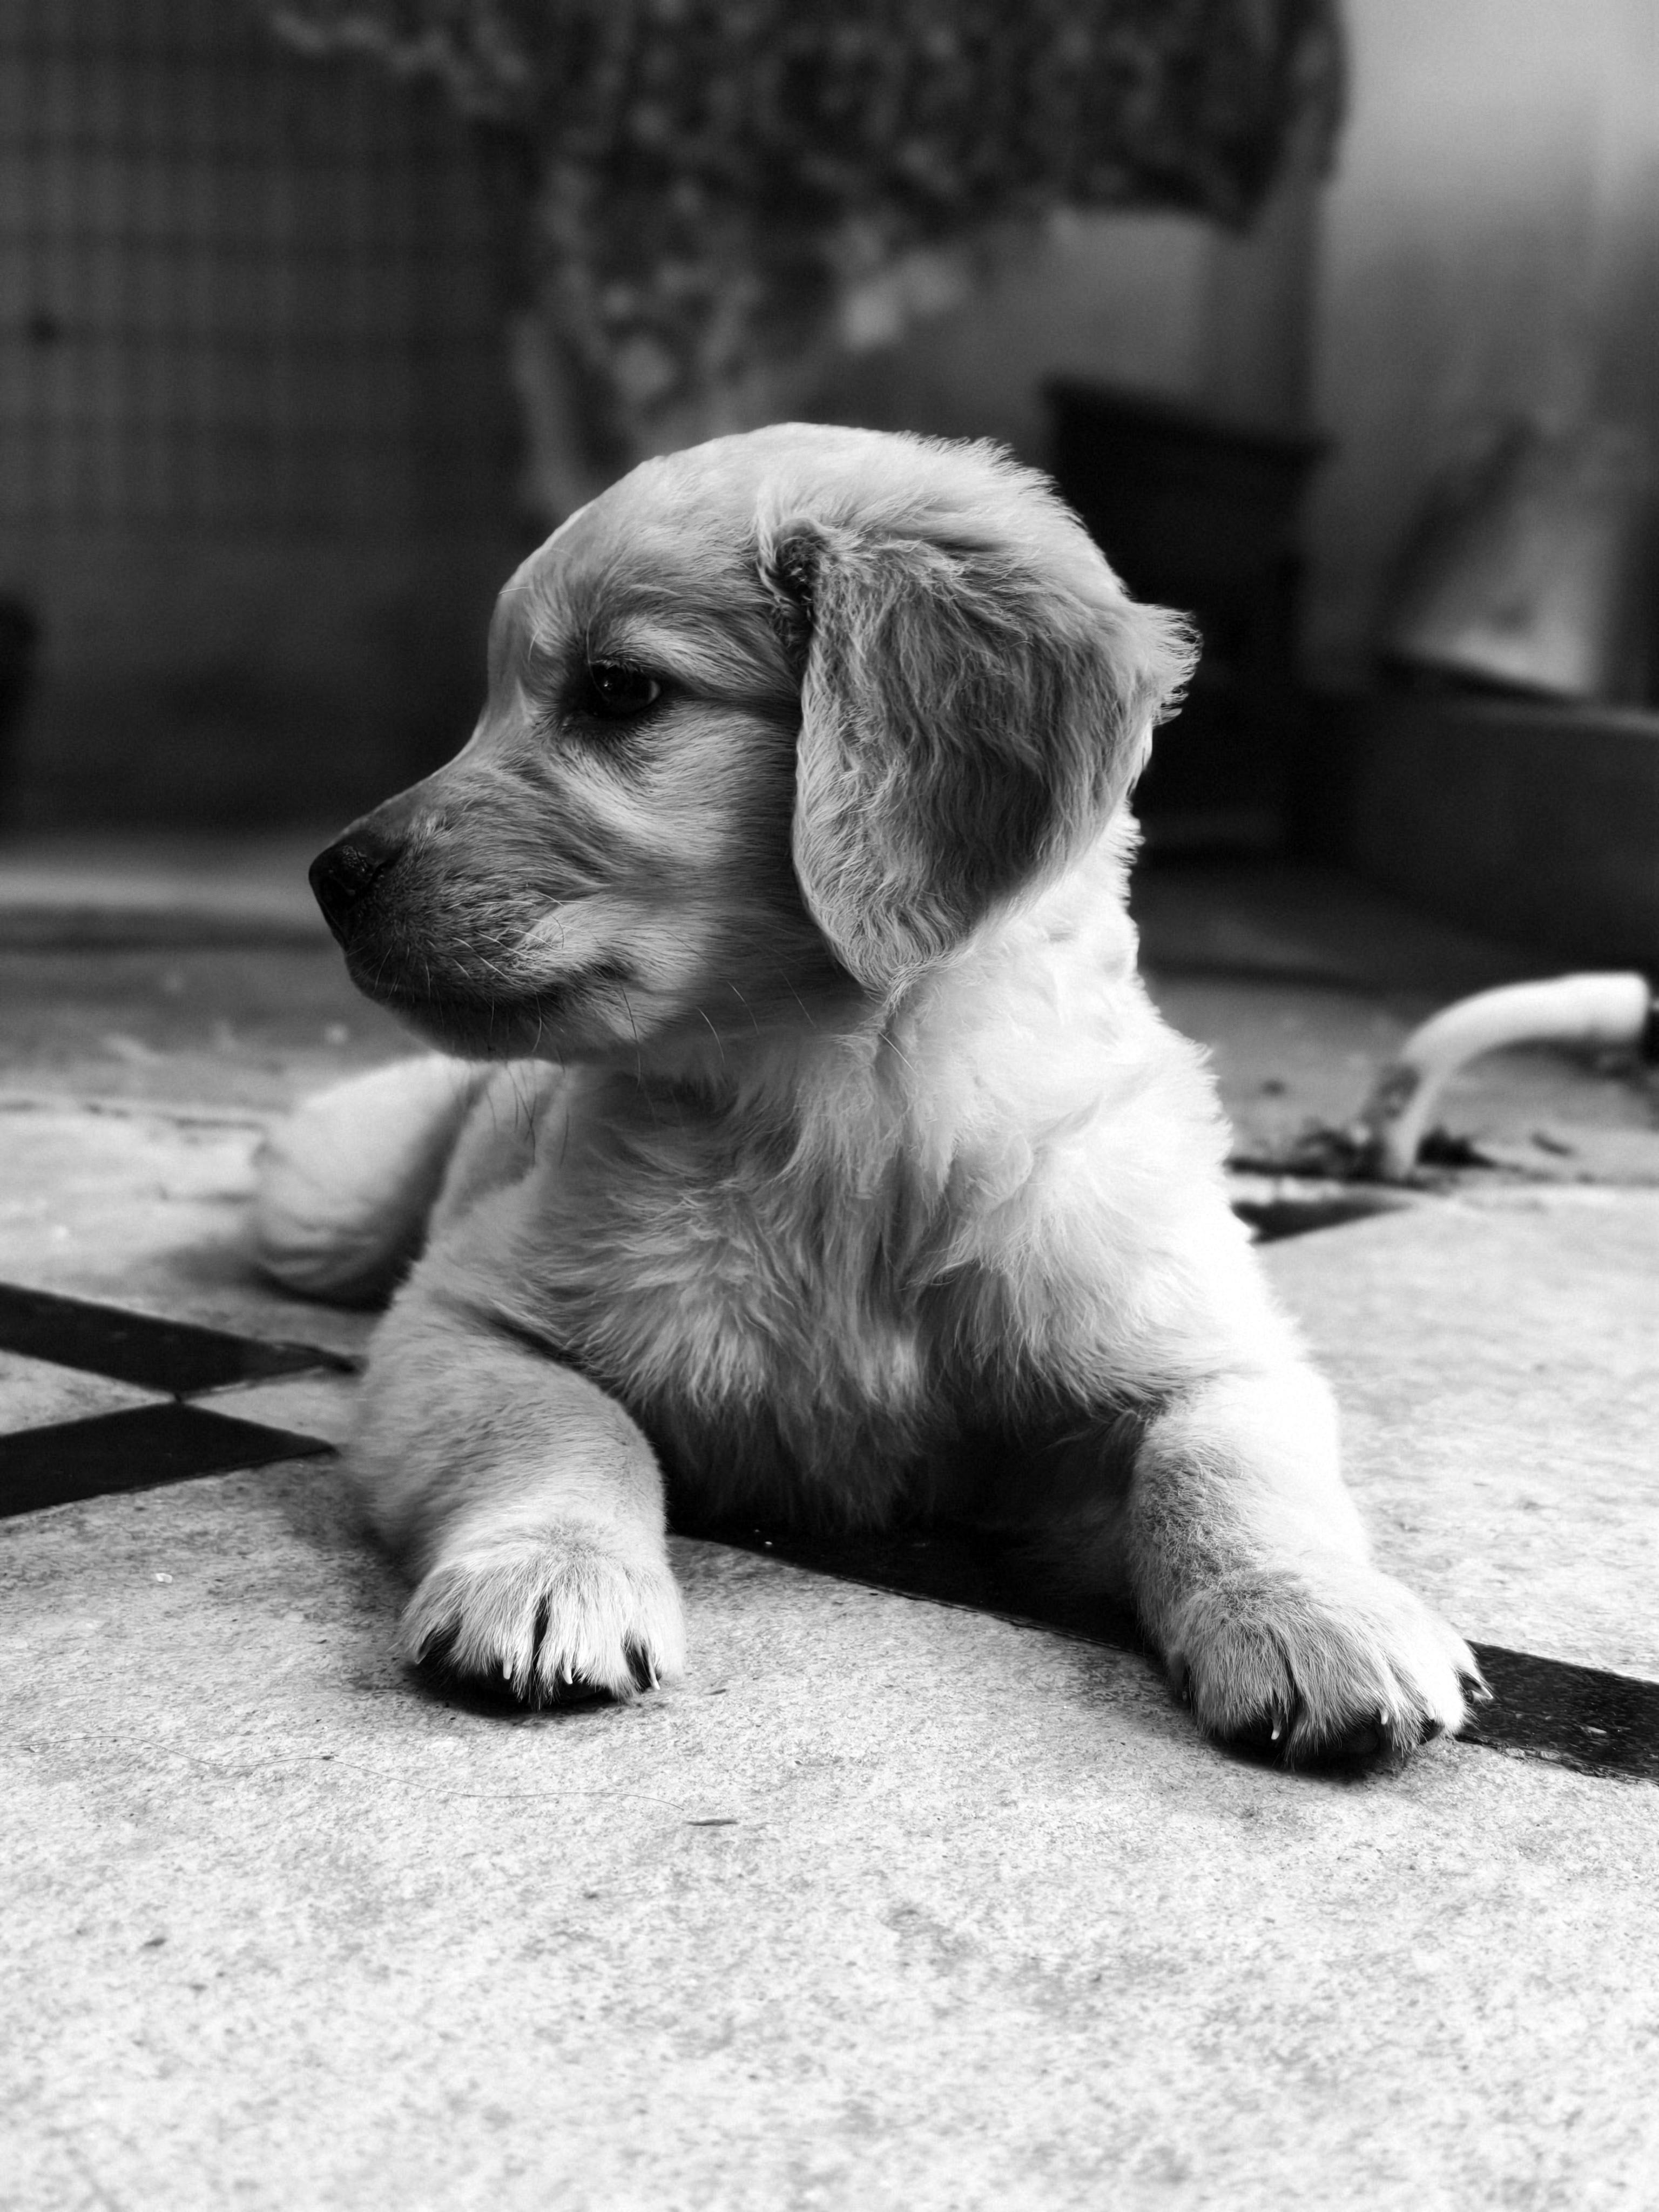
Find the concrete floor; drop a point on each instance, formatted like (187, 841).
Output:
(893, 1903)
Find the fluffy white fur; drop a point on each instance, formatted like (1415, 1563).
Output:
(805, 1131)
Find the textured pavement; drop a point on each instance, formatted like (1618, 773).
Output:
(894, 1903)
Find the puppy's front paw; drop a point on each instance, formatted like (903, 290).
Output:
(1329, 1660)
(551, 1616)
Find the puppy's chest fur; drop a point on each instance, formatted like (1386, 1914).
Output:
(785, 1332)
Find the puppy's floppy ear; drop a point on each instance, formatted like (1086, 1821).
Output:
(974, 705)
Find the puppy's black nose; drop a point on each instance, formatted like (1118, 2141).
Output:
(341, 876)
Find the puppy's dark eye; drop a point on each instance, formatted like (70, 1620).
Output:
(616, 692)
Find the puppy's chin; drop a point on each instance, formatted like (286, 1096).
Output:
(474, 1024)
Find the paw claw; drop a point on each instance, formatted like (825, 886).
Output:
(1327, 1663)
(552, 1619)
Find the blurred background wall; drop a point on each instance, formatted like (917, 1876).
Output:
(1489, 246)
(260, 454)
(1171, 305)
(256, 445)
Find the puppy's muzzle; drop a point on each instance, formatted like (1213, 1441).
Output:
(343, 877)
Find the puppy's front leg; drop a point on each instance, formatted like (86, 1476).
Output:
(526, 1503)
(1250, 1568)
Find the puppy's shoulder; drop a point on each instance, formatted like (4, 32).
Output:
(1044, 1040)
(1079, 1146)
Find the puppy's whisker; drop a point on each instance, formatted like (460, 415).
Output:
(639, 1055)
(891, 1044)
(526, 1116)
(744, 1003)
(720, 1042)
(807, 1014)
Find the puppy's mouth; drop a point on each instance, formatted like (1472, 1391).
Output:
(478, 1023)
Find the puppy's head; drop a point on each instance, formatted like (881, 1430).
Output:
(772, 726)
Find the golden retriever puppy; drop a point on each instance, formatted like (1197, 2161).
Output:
(801, 1134)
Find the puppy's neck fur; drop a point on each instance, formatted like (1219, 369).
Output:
(960, 1071)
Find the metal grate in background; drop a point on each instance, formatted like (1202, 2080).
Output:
(242, 294)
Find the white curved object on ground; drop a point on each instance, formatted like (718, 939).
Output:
(1583, 1010)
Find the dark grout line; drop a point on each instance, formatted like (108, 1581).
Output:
(181, 1357)
(952, 1566)
(141, 1448)
(1290, 1215)
(1584, 1717)
(1578, 1716)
